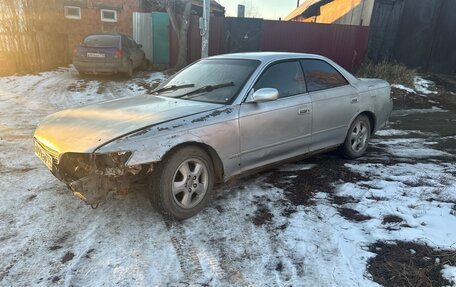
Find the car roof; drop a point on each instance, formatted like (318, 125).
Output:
(267, 56)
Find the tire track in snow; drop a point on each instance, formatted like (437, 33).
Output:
(186, 253)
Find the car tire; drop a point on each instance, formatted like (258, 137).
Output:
(357, 138)
(181, 184)
(129, 72)
(145, 64)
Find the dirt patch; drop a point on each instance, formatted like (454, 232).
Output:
(341, 200)
(88, 253)
(262, 216)
(67, 257)
(31, 197)
(300, 186)
(409, 264)
(55, 247)
(446, 87)
(148, 87)
(353, 215)
(78, 86)
(405, 100)
(391, 219)
(55, 279)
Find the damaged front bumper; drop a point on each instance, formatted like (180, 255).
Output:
(91, 177)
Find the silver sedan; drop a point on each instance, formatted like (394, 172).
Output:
(218, 118)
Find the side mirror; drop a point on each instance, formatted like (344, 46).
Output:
(139, 45)
(265, 95)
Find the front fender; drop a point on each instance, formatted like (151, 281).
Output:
(217, 129)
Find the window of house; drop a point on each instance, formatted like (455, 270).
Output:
(286, 77)
(72, 12)
(108, 15)
(321, 75)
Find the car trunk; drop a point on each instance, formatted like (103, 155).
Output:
(99, 48)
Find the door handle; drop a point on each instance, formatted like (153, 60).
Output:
(302, 111)
(354, 100)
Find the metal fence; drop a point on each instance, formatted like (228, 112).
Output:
(346, 45)
(32, 52)
(417, 33)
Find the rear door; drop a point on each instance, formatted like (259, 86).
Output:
(276, 130)
(334, 100)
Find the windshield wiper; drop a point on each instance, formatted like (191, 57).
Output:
(206, 89)
(173, 88)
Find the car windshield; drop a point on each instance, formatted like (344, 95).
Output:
(214, 80)
(102, 41)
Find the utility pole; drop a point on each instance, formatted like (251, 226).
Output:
(204, 28)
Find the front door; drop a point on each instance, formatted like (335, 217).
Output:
(276, 130)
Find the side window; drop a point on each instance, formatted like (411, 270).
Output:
(321, 75)
(132, 42)
(286, 77)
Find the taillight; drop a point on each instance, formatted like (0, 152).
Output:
(118, 53)
(75, 51)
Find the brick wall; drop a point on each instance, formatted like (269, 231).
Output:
(90, 21)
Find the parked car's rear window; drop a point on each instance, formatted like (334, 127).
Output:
(102, 41)
(321, 75)
(214, 72)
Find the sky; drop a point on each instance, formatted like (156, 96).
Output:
(267, 9)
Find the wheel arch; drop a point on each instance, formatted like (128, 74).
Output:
(370, 115)
(216, 161)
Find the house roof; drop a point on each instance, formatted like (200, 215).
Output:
(214, 5)
(307, 9)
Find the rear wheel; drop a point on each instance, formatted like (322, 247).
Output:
(181, 184)
(129, 72)
(357, 139)
(145, 64)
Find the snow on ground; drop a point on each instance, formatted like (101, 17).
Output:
(421, 86)
(402, 87)
(449, 272)
(247, 237)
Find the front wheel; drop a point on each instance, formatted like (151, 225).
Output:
(357, 139)
(181, 184)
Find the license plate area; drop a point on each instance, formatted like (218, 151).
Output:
(96, 55)
(45, 157)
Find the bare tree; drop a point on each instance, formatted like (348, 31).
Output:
(179, 12)
(23, 23)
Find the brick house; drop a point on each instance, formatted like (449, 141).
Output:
(83, 17)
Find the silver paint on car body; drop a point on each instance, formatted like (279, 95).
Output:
(244, 135)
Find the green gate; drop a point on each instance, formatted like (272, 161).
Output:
(160, 38)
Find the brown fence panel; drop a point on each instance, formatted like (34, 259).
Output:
(32, 52)
(344, 44)
(216, 40)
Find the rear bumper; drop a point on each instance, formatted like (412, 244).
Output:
(112, 67)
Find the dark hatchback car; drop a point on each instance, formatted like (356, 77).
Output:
(108, 54)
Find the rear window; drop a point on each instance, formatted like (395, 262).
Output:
(102, 41)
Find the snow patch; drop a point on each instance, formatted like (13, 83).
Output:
(449, 273)
(402, 87)
(423, 85)
(391, 132)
